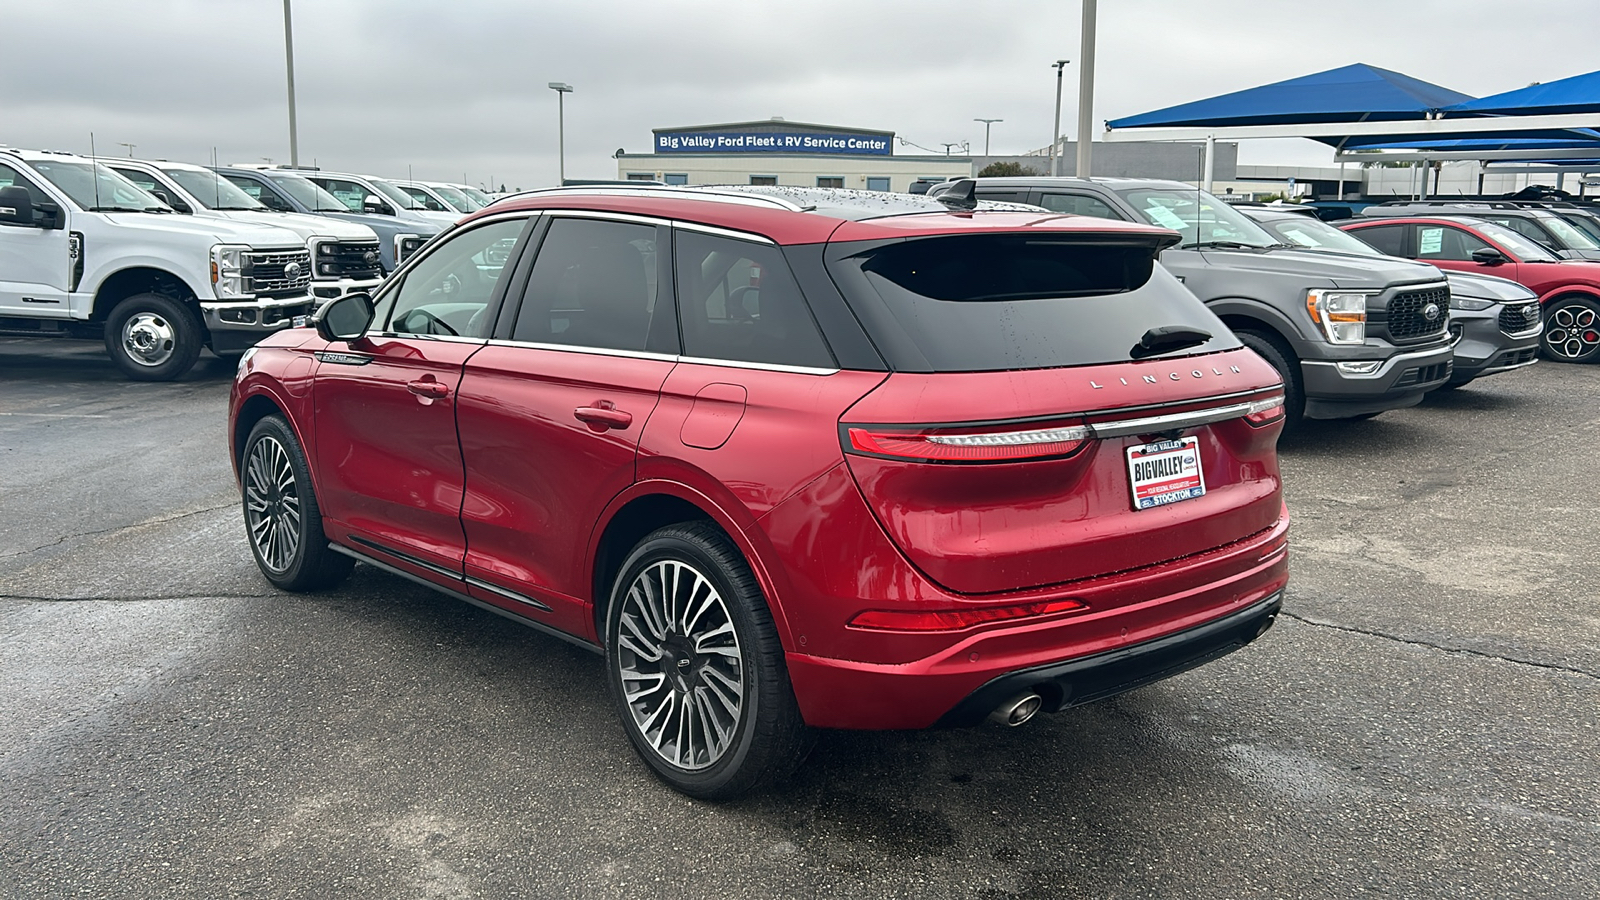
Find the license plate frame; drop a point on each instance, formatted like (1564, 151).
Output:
(1165, 472)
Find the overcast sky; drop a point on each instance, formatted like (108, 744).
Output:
(456, 88)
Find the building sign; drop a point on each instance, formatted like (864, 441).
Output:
(772, 142)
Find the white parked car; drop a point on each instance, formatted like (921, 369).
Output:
(86, 253)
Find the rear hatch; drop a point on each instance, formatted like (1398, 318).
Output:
(1060, 408)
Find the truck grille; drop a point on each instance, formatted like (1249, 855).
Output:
(277, 273)
(348, 259)
(1517, 319)
(1406, 319)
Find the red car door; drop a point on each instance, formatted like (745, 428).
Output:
(551, 412)
(389, 464)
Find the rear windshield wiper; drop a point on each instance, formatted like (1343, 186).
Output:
(1166, 338)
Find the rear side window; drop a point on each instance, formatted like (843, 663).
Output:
(1078, 205)
(738, 301)
(975, 303)
(1449, 244)
(1389, 239)
(593, 285)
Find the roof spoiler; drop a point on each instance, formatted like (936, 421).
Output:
(961, 194)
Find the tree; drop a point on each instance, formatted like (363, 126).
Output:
(1003, 169)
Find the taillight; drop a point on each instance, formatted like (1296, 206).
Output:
(1264, 412)
(957, 619)
(951, 445)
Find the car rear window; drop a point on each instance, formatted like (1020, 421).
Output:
(976, 303)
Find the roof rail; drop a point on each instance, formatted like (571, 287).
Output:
(670, 191)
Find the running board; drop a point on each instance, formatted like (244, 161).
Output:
(467, 598)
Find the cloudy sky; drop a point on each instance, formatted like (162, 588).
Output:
(448, 89)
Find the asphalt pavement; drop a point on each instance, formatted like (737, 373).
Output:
(1424, 720)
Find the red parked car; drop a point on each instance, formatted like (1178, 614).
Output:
(1568, 289)
(789, 458)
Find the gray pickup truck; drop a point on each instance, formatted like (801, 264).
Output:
(1352, 337)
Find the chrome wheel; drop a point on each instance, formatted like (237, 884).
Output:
(680, 664)
(1573, 332)
(272, 504)
(149, 338)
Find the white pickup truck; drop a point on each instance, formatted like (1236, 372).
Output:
(86, 253)
(345, 256)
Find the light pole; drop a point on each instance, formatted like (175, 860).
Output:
(129, 146)
(288, 53)
(1055, 135)
(1086, 91)
(986, 124)
(562, 90)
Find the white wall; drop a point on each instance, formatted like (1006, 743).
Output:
(798, 171)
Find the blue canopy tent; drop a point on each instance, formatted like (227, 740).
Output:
(1354, 93)
(1577, 94)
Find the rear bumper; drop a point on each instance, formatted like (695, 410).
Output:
(1142, 626)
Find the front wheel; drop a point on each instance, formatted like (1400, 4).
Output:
(1571, 330)
(152, 337)
(281, 516)
(696, 668)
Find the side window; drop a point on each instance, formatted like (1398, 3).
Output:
(425, 198)
(1527, 228)
(1444, 243)
(10, 177)
(1389, 239)
(1078, 205)
(1003, 196)
(593, 285)
(448, 291)
(875, 183)
(262, 194)
(737, 300)
(351, 194)
(147, 182)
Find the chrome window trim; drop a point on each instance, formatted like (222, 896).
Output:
(670, 192)
(606, 215)
(724, 232)
(663, 357)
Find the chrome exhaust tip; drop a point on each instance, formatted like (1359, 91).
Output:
(1017, 710)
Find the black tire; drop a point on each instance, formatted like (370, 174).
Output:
(152, 337)
(283, 523)
(761, 742)
(1571, 330)
(1272, 349)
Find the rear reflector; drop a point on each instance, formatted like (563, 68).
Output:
(957, 619)
(949, 446)
(1265, 412)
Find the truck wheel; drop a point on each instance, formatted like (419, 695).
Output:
(153, 338)
(1275, 351)
(696, 669)
(1571, 330)
(281, 515)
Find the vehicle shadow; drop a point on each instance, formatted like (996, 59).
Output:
(86, 361)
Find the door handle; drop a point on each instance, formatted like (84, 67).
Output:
(602, 416)
(435, 390)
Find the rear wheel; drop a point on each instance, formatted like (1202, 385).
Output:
(1571, 330)
(281, 515)
(152, 337)
(696, 669)
(1272, 349)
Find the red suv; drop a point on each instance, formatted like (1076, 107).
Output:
(788, 458)
(1568, 289)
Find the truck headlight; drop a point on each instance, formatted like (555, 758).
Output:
(1342, 315)
(227, 271)
(1472, 304)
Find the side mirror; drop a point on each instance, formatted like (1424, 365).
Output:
(16, 206)
(1488, 256)
(344, 319)
(374, 205)
(50, 216)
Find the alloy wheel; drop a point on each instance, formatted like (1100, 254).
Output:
(272, 504)
(149, 338)
(1573, 332)
(680, 664)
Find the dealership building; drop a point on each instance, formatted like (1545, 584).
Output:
(775, 151)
